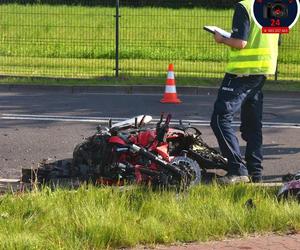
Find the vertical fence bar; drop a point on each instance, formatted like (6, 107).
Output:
(279, 44)
(117, 16)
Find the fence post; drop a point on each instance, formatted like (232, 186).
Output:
(279, 44)
(117, 16)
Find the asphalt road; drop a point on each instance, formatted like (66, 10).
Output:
(36, 125)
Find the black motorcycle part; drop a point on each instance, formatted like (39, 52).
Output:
(207, 162)
(92, 156)
(161, 130)
(48, 171)
(190, 167)
(152, 157)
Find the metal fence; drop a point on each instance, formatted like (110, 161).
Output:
(107, 41)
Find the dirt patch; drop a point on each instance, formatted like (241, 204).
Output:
(278, 242)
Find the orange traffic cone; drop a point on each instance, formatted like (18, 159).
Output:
(170, 95)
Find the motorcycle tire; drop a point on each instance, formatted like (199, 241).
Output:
(90, 156)
(191, 167)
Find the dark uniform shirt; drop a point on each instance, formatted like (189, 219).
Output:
(240, 23)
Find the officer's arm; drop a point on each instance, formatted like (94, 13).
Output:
(232, 42)
(240, 29)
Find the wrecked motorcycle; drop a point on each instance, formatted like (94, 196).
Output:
(132, 152)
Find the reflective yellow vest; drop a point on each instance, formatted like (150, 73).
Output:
(260, 54)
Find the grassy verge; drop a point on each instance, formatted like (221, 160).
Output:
(94, 218)
(128, 81)
(79, 42)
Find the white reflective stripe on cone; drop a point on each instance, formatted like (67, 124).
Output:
(170, 89)
(171, 75)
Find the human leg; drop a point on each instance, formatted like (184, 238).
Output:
(251, 129)
(230, 98)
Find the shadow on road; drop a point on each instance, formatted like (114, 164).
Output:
(277, 149)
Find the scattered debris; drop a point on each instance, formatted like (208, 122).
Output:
(291, 187)
(249, 204)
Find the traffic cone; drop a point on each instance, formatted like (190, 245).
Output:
(170, 95)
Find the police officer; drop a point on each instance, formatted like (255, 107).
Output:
(252, 57)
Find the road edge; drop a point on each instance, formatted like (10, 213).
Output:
(121, 89)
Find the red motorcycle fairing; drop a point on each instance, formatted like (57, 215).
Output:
(117, 140)
(163, 151)
(145, 138)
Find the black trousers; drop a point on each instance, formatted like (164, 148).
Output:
(240, 94)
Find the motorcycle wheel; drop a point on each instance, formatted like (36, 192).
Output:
(85, 164)
(191, 168)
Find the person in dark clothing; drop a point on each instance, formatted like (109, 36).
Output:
(253, 56)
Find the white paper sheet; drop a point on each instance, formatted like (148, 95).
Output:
(212, 29)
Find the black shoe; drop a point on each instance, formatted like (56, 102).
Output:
(256, 179)
(233, 179)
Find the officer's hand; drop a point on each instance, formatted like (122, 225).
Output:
(218, 37)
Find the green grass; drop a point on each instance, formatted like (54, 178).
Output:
(78, 42)
(97, 218)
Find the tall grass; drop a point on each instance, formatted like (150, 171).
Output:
(43, 35)
(96, 218)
